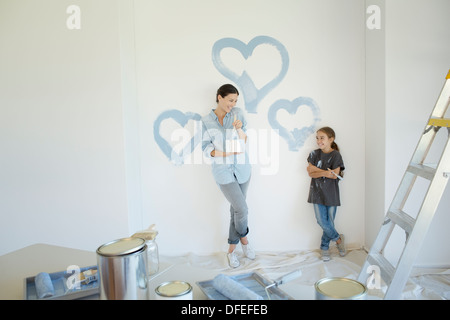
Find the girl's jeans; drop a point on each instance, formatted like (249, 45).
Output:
(325, 218)
(235, 193)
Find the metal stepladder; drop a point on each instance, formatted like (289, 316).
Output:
(396, 277)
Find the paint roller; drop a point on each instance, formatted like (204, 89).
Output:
(44, 285)
(287, 277)
(233, 289)
(236, 291)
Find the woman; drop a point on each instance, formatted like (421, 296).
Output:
(224, 140)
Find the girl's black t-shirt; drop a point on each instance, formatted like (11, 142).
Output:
(323, 190)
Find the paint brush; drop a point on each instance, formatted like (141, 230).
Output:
(338, 176)
(235, 118)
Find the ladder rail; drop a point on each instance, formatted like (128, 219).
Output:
(416, 229)
(438, 112)
(423, 221)
(422, 148)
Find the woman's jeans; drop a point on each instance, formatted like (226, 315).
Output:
(235, 193)
(325, 218)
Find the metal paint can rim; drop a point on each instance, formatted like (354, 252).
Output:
(160, 289)
(121, 247)
(342, 280)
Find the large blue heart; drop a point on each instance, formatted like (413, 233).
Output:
(182, 119)
(252, 96)
(297, 137)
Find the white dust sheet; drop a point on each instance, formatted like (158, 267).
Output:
(424, 284)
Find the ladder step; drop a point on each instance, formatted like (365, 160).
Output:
(402, 219)
(439, 122)
(386, 268)
(422, 170)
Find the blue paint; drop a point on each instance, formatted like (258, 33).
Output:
(182, 119)
(252, 96)
(297, 137)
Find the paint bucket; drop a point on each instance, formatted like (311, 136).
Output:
(174, 290)
(123, 272)
(340, 289)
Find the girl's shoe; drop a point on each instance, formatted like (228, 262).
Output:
(325, 255)
(341, 246)
(248, 251)
(233, 260)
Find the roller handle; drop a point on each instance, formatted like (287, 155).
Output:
(288, 277)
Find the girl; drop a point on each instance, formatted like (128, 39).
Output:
(230, 166)
(325, 165)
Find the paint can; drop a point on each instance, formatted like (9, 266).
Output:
(123, 271)
(174, 290)
(340, 289)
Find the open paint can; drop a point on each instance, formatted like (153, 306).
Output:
(340, 289)
(122, 266)
(174, 290)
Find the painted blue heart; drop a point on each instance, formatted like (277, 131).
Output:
(252, 96)
(297, 137)
(182, 119)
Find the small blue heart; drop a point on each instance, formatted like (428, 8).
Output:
(297, 137)
(182, 119)
(252, 96)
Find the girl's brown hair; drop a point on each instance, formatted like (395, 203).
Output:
(330, 134)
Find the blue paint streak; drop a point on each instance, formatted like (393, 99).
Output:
(252, 96)
(297, 137)
(182, 119)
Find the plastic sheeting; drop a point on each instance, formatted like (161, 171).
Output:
(424, 284)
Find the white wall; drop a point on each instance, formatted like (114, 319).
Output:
(175, 70)
(406, 64)
(61, 126)
(417, 62)
(375, 118)
(79, 162)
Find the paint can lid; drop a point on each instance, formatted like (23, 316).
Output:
(340, 288)
(173, 289)
(121, 247)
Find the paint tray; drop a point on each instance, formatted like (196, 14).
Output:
(62, 292)
(253, 281)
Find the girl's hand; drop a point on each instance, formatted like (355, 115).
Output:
(334, 174)
(330, 174)
(311, 168)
